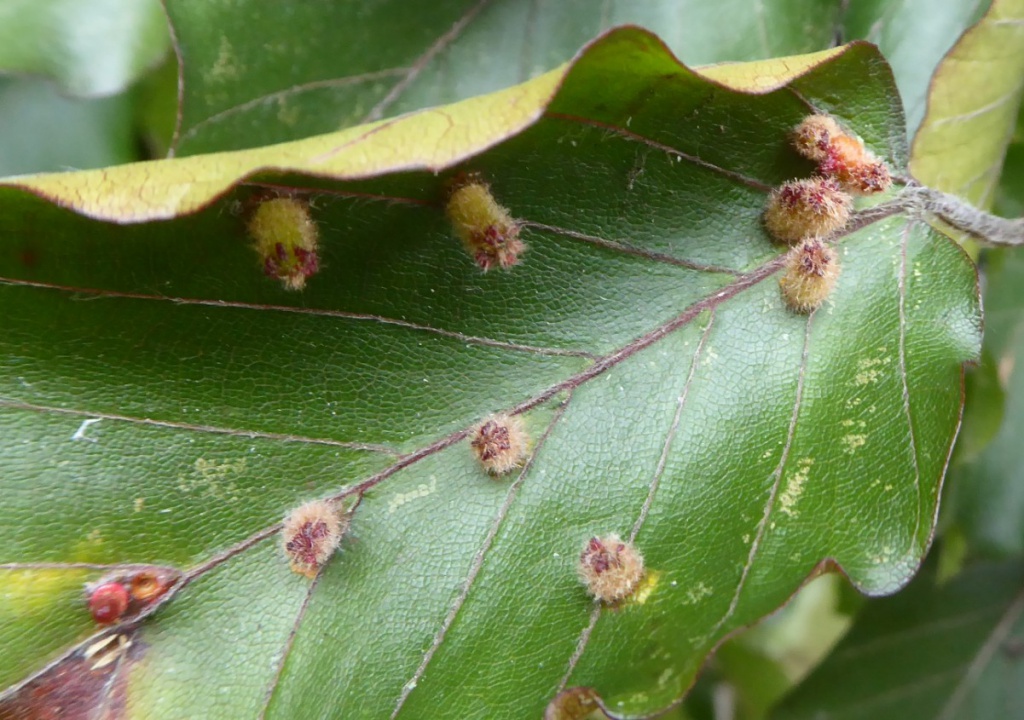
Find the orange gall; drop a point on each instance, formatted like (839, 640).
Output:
(841, 156)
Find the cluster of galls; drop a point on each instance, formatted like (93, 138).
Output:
(125, 594)
(840, 156)
(805, 212)
(610, 567)
(286, 237)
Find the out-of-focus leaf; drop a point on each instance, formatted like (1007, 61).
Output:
(983, 409)
(1010, 194)
(44, 131)
(914, 35)
(91, 48)
(287, 72)
(670, 394)
(986, 494)
(951, 652)
(972, 107)
(156, 100)
(759, 681)
(256, 73)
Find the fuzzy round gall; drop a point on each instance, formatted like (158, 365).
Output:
(798, 209)
(487, 230)
(813, 136)
(310, 535)
(610, 567)
(811, 271)
(108, 602)
(286, 238)
(500, 443)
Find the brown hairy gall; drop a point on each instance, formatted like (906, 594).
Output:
(812, 269)
(310, 535)
(500, 443)
(610, 567)
(487, 230)
(799, 209)
(286, 238)
(813, 136)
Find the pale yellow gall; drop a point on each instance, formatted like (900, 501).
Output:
(610, 567)
(811, 271)
(310, 535)
(286, 238)
(799, 209)
(487, 230)
(500, 443)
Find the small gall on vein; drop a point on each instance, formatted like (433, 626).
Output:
(610, 567)
(487, 230)
(500, 443)
(811, 272)
(310, 535)
(799, 209)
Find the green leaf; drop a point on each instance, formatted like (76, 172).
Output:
(972, 109)
(988, 493)
(94, 48)
(1010, 194)
(670, 395)
(914, 36)
(935, 653)
(290, 71)
(984, 404)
